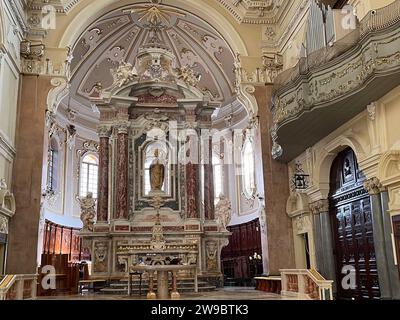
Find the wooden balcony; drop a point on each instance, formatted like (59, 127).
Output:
(330, 87)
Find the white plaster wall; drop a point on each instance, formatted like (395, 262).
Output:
(10, 38)
(66, 210)
(364, 6)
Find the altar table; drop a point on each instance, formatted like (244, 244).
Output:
(162, 279)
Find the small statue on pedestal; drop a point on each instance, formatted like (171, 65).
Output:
(223, 211)
(88, 211)
(157, 173)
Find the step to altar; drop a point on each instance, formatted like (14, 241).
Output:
(184, 286)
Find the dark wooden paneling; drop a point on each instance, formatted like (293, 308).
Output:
(66, 277)
(243, 243)
(352, 223)
(63, 240)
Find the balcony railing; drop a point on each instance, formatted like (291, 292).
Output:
(18, 287)
(305, 285)
(334, 84)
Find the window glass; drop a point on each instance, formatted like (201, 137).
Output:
(89, 175)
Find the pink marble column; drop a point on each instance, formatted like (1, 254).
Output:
(104, 156)
(122, 171)
(192, 166)
(192, 190)
(209, 207)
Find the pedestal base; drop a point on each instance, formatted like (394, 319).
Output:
(151, 296)
(162, 285)
(175, 295)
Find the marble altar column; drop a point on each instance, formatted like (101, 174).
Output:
(192, 173)
(122, 170)
(104, 158)
(209, 206)
(192, 164)
(373, 187)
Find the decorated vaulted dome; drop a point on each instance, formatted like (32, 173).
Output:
(191, 47)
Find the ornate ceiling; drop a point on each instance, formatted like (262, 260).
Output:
(118, 35)
(255, 12)
(245, 11)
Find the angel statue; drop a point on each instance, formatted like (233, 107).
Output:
(223, 211)
(88, 211)
(125, 73)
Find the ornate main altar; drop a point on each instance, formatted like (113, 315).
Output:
(156, 198)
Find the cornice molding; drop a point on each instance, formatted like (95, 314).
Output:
(61, 6)
(255, 12)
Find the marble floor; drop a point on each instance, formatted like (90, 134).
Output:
(228, 293)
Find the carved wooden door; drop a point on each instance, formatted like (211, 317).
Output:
(351, 215)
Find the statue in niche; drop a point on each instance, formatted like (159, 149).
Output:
(157, 173)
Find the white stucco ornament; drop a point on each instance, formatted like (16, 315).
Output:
(88, 211)
(223, 211)
(125, 73)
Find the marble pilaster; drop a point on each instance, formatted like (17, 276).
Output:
(279, 227)
(28, 169)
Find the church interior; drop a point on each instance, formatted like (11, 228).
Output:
(194, 149)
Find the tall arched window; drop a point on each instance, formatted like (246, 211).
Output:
(52, 170)
(249, 184)
(89, 175)
(218, 177)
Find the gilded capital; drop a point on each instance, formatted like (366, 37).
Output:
(373, 186)
(319, 206)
